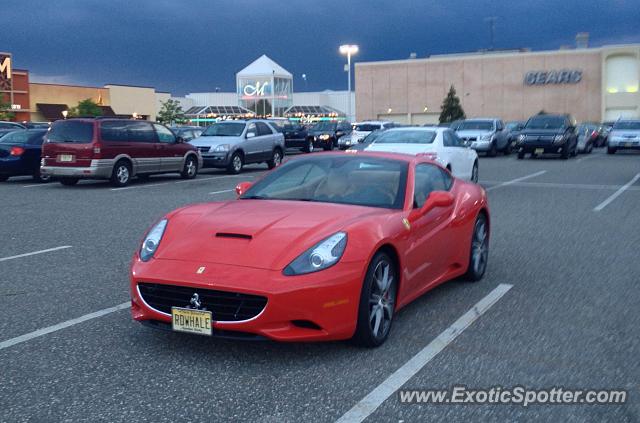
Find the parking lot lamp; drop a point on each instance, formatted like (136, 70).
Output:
(349, 50)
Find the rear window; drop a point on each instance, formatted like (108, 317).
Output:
(366, 127)
(16, 137)
(71, 131)
(476, 125)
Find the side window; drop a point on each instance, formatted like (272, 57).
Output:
(164, 134)
(428, 178)
(455, 139)
(499, 125)
(252, 128)
(114, 131)
(263, 129)
(140, 132)
(446, 139)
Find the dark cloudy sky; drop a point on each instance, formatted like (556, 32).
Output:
(189, 46)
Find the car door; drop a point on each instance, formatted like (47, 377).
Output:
(429, 250)
(467, 156)
(501, 135)
(147, 151)
(452, 153)
(251, 145)
(172, 153)
(266, 140)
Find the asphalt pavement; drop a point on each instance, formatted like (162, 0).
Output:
(565, 237)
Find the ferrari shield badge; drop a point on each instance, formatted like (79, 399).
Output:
(406, 223)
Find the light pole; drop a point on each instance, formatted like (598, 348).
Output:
(348, 50)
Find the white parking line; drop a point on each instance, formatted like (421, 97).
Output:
(35, 252)
(220, 192)
(140, 186)
(616, 194)
(561, 185)
(215, 177)
(44, 331)
(513, 181)
(369, 403)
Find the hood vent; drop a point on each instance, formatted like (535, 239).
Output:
(232, 235)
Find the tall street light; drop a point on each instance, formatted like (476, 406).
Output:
(349, 50)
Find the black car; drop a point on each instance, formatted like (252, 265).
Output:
(513, 129)
(296, 136)
(11, 125)
(20, 154)
(548, 134)
(325, 134)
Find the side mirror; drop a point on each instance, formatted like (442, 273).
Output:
(436, 199)
(180, 140)
(250, 135)
(242, 187)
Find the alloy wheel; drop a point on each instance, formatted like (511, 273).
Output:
(479, 247)
(122, 174)
(382, 299)
(191, 168)
(237, 163)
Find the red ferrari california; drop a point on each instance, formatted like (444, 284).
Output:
(327, 246)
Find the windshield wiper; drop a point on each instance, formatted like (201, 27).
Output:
(255, 197)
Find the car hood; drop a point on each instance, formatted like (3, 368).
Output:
(542, 131)
(321, 132)
(402, 148)
(473, 133)
(206, 141)
(265, 234)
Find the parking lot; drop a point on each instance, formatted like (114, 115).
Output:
(564, 250)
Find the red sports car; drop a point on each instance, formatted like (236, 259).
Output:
(325, 247)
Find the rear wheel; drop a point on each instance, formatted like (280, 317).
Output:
(276, 159)
(190, 168)
(309, 147)
(121, 174)
(235, 164)
(39, 177)
(329, 146)
(479, 250)
(377, 302)
(69, 181)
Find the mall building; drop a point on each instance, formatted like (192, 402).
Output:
(592, 84)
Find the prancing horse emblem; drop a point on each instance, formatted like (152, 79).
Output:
(201, 270)
(195, 301)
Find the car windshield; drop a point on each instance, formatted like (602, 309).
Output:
(512, 125)
(476, 125)
(16, 137)
(76, 131)
(224, 129)
(324, 126)
(366, 127)
(627, 125)
(356, 180)
(406, 137)
(372, 137)
(545, 122)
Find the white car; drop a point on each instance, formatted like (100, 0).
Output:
(362, 129)
(440, 144)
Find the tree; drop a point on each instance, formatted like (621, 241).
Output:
(5, 110)
(170, 112)
(86, 108)
(451, 109)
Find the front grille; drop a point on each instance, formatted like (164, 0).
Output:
(204, 149)
(225, 306)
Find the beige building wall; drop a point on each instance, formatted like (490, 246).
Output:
(70, 95)
(490, 85)
(127, 100)
(161, 98)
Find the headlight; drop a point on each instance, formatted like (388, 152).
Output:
(152, 240)
(319, 257)
(324, 137)
(222, 147)
(558, 138)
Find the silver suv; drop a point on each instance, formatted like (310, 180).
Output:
(485, 135)
(234, 143)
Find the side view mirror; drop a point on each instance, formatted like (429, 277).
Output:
(180, 140)
(242, 187)
(434, 200)
(250, 135)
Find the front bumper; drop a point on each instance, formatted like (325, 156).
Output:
(98, 169)
(329, 299)
(542, 148)
(216, 159)
(481, 145)
(622, 144)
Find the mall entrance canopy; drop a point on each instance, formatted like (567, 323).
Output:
(205, 115)
(265, 88)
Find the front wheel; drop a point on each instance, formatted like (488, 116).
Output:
(474, 172)
(276, 159)
(235, 164)
(190, 168)
(377, 302)
(479, 250)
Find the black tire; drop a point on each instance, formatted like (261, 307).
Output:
(479, 253)
(565, 154)
(38, 177)
(367, 333)
(493, 151)
(235, 164)
(190, 168)
(121, 173)
(611, 150)
(276, 159)
(329, 146)
(309, 148)
(574, 151)
(474, 172)
(69, 182)
(589, 148)
(520, 155)
(508, 149)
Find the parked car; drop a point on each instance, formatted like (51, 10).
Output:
(20, 154)
(513, 129)
(37, 125)
(548, 133)
(232, 144)
(485, 135)
(366, 142)
(297, 136)
(115, 149)
(326, 247)
(451, 125)
(442, 145)
(326, 134)
(187, 133)
(362, 129)
(11, 125)
(625, 135)
(606, 129)
(587, 137)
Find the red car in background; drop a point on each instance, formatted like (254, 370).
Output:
(327, 246)
(115, 149)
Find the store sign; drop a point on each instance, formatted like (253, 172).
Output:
(255, 90)
(566, 76)
(5, 71)
(16, 107)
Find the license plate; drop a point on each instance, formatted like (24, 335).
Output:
(539, 150)
(191, 321)
(628, 144)
(65, 158)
